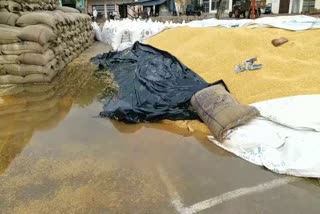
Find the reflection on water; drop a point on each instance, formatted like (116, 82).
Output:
(27, 108)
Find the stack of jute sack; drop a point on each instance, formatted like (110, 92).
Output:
(36, 45)
(28, 5)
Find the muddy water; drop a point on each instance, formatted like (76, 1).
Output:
(57, 156)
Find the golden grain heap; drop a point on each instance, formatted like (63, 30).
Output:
(291, 69)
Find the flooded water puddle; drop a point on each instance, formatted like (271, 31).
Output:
(58, 156)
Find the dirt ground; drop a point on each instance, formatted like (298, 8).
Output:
(57, 156)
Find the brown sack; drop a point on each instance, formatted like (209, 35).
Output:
(61, 65)
(8, 36)
(58, 50)
(32, 7)
(8, 18)
(10, 6)
(3, 10)
(37, 33)
(64, 45)
(37, 59)
(58, 16)
(38, 78)
(2, 72)
(65, 18)
(10, 79)
(32, 78)
(21, 48)
(9, 59)
(11, 27)
(220, 111)
(72, 18)
(23, 70)
(67, 52)
(37, 18)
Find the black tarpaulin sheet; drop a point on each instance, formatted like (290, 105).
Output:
(153, 85)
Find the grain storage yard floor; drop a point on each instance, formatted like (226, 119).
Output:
(75, 162)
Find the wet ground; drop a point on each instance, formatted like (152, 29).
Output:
(57, 156)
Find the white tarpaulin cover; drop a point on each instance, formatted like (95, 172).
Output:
(122, 34)
(290, 145)
(294, 23)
